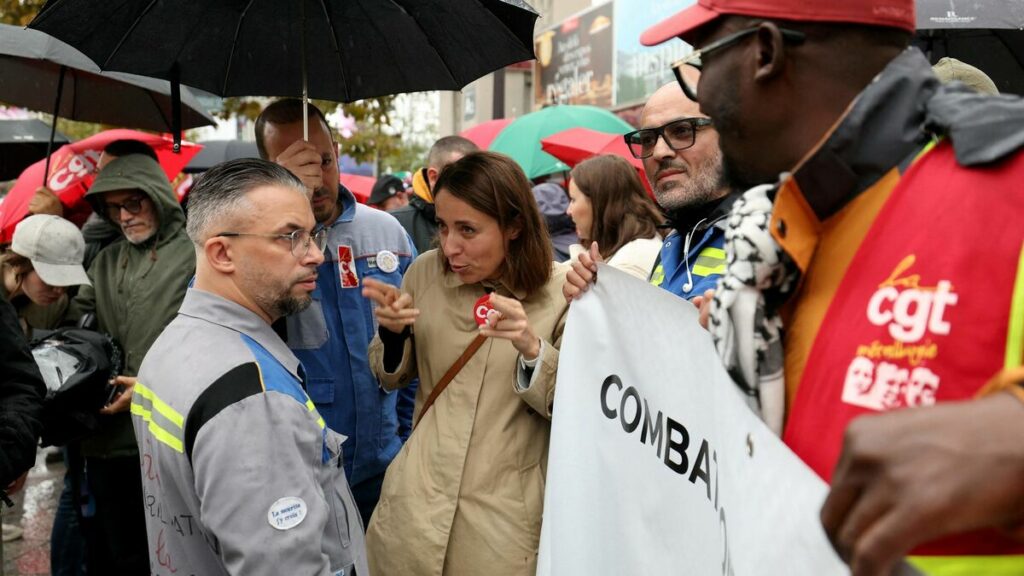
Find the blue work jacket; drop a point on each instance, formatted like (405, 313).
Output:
(706, 259)
(332, 336)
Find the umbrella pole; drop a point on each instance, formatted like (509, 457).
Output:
(302, 55)
(53, 126)
(176, 107)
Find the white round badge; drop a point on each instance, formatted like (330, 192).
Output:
(287, 513)
(387, 261)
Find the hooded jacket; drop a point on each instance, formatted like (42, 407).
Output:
(553, 201)
(136, 288)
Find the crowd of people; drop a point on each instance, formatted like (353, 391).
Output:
(311, 385)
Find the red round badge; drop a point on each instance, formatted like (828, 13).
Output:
(481, 308)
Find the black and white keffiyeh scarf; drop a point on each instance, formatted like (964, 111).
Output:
(744, 322)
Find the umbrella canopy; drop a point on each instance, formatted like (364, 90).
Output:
(360, 186)
(577, 144)
(485, 132)
(987, 35)
(521, 139)
(72, 170)
(22, 142)
(216, 151)
(351, 50)
(31, 65)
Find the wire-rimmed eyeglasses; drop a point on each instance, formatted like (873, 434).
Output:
(300, 239)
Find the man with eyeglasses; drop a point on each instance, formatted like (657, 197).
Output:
(679, 149)
(98, 231)
(68, 553)
(888, 243)
(138, 283)
(333, 335)
(239, 471)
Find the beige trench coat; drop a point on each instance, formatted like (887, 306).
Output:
(464, 496)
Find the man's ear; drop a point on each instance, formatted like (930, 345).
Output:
(771, 52)
(219, 255)
(432, 174)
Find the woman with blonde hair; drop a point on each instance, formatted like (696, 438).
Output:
(608, 203)
(479, 321)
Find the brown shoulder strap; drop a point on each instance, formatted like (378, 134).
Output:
(450, 375)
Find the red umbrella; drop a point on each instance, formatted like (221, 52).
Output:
(72, 170)
(575, 145)
(360, 186)
(482, 134)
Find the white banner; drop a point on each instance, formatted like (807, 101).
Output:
(657, 466)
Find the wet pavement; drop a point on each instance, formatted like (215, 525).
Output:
(34, 508)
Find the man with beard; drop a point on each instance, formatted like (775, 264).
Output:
(332, 336)
(240, 474)
(138, 282)
(890, 198)
(679, 149)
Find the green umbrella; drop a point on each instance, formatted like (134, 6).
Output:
(521, 139)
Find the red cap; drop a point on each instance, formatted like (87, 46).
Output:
(892, 13)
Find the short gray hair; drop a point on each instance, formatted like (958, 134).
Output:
(221, 192)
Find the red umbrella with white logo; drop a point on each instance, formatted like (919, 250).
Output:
(72, 170)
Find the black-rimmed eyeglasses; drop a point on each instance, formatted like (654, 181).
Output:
(300, 239)
(695, 58)
(678, 134)
(132, 205)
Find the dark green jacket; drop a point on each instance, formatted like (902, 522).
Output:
(136, 289)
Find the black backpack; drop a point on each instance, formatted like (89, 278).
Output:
(77, 366)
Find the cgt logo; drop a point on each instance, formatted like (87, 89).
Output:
(481, 308)
(909, 309)
(73, 168)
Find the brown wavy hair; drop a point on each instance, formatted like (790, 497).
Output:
(622, 210)
(495, 185)
(20, 264)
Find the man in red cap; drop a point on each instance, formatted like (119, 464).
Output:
(889, 247)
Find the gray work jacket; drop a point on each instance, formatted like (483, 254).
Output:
(240, 474)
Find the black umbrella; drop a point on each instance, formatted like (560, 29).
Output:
(987, 35)
(22, 143)
(352, 49)
(42, 73)
(216, 151)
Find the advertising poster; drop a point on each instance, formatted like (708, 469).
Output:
(640, 70)
(574, 61)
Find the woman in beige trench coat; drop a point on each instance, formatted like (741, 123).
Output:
(464, 496)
